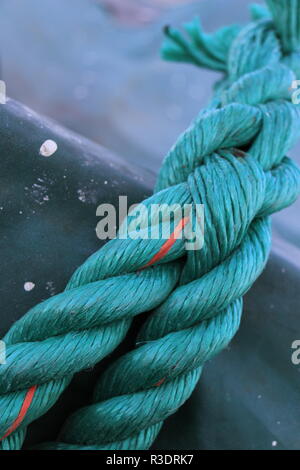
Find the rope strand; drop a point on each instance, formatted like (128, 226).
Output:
(232, 160)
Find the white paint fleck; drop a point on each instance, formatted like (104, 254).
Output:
(274, 443)
(105, 182)
(39, 191)
(195, 92)
(48, 148)
(174, 112)
(81, 195)
(28, 286)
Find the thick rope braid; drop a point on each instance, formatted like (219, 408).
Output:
(70, 332)
(232, 160)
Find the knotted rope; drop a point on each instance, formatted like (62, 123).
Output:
(232, 160)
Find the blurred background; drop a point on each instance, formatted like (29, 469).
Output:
(94, 66)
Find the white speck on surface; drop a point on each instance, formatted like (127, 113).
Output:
(274, 443)
(105, 182)
(48, 148)
(28, 286)
(87, 195)
(259, 397)
(81, 195)
(178, 80)
(278, 422)
(46, 198)
(20, 212)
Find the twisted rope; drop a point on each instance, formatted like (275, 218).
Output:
(232, 160)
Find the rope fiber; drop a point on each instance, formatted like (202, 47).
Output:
(232, 159)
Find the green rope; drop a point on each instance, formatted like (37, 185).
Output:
(232, 160)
